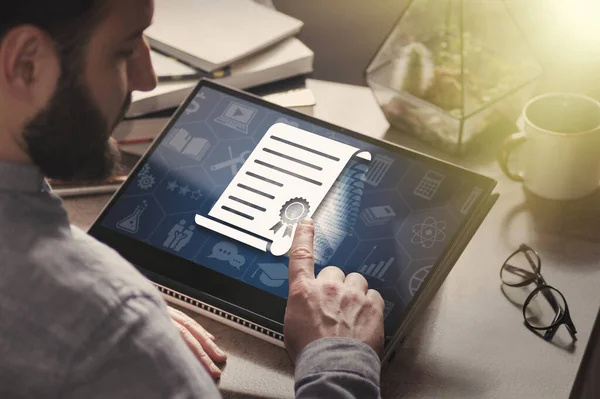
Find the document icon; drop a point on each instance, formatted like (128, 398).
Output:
(284, 180)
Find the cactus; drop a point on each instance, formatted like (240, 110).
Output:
(413, 70)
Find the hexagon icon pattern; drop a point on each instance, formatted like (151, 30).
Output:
(425, 234)
(380, 261)
(201, 107)
(136, 216)
(227, 159)
(187, 145)
(234, 118)
(179, 235)
(183, 190)
(385, 170)
(426, 188)
(413, 277)
(381, 214)
(149, 176)
(226, 256)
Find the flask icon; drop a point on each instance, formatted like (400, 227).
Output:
(131, 223)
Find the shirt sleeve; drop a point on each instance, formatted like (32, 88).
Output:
(337, 368)
(137, 353)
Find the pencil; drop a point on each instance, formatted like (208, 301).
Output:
(145, 140)
(85, 191)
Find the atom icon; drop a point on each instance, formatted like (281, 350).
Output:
(429, 232)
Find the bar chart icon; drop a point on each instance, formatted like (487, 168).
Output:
(389, 306)
(376, 270)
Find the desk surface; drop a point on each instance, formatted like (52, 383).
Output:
(471, 342)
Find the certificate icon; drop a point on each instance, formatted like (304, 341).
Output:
(284, 179)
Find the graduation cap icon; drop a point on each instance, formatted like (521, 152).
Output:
(272, 274)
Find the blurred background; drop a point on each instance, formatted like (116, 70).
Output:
(346, 34)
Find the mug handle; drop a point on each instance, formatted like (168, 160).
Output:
(511, 142)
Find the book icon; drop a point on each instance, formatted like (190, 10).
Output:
(377, 215)
(284, 179)
(182, 141)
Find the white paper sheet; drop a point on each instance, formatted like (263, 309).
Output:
(284, 179)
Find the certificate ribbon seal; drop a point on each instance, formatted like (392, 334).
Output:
(292, 212)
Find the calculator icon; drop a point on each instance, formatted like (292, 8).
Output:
(429, 185)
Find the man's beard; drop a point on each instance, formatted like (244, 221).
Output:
(70, 139)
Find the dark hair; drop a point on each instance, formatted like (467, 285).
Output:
(68, 22)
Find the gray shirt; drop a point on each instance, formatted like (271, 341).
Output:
(78, 321)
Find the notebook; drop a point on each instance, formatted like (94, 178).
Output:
(169, 69)
(586, 384)
(284, 60)
(212, 34)
(209, 211)
(136, 135)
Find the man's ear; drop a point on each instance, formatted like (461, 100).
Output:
(29, 65)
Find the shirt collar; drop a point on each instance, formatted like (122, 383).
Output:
(22, 177)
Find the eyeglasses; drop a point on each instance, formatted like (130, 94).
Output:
(545, 308)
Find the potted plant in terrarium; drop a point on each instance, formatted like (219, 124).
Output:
(450, 68)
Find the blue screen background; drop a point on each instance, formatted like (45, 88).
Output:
(399, 215)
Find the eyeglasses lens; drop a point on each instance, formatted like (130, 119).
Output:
(520, 267)
(545, 308)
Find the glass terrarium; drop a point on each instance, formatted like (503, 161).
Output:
(450, 68)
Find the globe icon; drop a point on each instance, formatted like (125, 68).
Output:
(417, 279)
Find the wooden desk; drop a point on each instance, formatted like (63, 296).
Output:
(471, 343)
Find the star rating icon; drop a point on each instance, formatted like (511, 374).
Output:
(196, 195)
(172, 186)
(185, 190)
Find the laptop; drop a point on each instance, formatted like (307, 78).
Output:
(209, 212)
(586, 384)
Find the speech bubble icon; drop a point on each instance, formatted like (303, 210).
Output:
(224, 251)
(237, 261)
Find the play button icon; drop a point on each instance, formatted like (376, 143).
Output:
(237, 116)
(240, 113)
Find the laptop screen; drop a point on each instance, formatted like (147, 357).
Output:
(385, 214)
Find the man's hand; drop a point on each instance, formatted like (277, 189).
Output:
(200, 341)
(331, 305)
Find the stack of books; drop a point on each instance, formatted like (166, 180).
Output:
(239, 43)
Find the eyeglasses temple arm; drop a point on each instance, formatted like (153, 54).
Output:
(519, 272)
(552, 299)
(549, 333)
(533, 265)
(569, 324)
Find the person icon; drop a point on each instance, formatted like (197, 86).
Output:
(175, 235)
(185, 240)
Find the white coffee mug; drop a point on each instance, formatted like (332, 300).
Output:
(560, 154)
